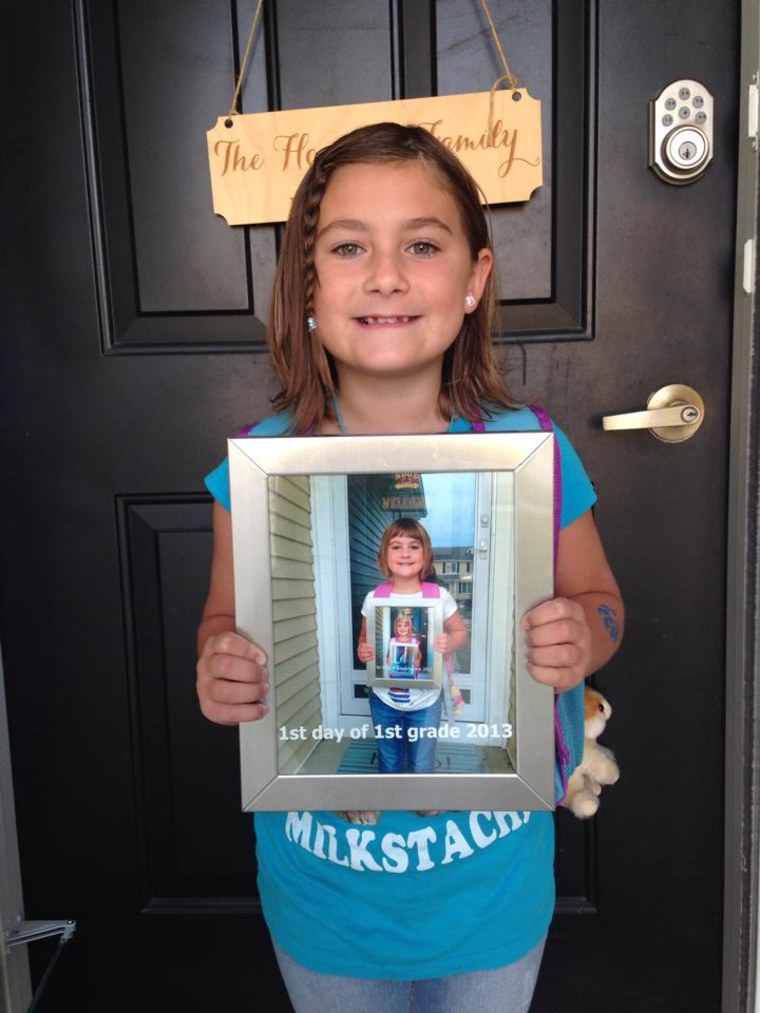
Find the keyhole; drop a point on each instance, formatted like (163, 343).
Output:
(687, 151)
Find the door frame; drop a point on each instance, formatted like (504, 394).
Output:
(741, 898)
(15, 980)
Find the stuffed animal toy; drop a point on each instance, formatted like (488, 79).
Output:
(598, 766)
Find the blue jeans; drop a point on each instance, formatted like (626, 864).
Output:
(505, 990)
(399, 743)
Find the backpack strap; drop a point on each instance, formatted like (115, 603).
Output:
(569, 708)
(429, 590)
(271, 425)
(247, 429)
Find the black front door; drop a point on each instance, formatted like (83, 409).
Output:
(133, 346)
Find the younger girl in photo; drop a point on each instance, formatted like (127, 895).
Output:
(402, 660)
(380, 323)
(405, 556)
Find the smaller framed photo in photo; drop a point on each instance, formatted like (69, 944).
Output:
(403, 635)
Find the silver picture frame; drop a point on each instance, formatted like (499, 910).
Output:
(307, 513)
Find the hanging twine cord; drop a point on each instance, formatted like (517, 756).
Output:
(246, 58)
(508, 75)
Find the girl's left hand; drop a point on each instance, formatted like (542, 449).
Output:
(559, 643)
(441, 643)
(365, 652)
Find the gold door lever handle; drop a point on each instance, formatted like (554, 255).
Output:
(674, 413)
(678, 415)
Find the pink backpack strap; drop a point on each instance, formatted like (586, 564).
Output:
(429, 590)
(247, 430)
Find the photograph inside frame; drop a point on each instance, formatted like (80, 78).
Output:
(393, 611)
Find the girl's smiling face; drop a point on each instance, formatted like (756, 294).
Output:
(406, 557)
(403, 628)
(393, 268)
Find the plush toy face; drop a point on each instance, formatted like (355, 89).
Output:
(598, 712)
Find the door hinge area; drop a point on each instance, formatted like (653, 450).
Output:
(748, 272)
(753, 110)
(29, 932)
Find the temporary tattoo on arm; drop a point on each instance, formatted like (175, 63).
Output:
(610, 621)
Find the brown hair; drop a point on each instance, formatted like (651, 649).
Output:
(406, 527)
(306, 372)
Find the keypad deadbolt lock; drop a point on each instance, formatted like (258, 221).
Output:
(681, 132)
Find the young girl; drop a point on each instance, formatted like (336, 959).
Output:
(406, 555)
(380, 323)
(403, 658)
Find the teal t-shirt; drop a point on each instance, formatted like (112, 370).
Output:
(411, 896)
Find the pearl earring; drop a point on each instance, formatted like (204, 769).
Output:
(470, 301)
(311, 323)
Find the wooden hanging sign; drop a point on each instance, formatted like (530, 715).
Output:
(257, 160)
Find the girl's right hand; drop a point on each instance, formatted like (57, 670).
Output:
(232, 680)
